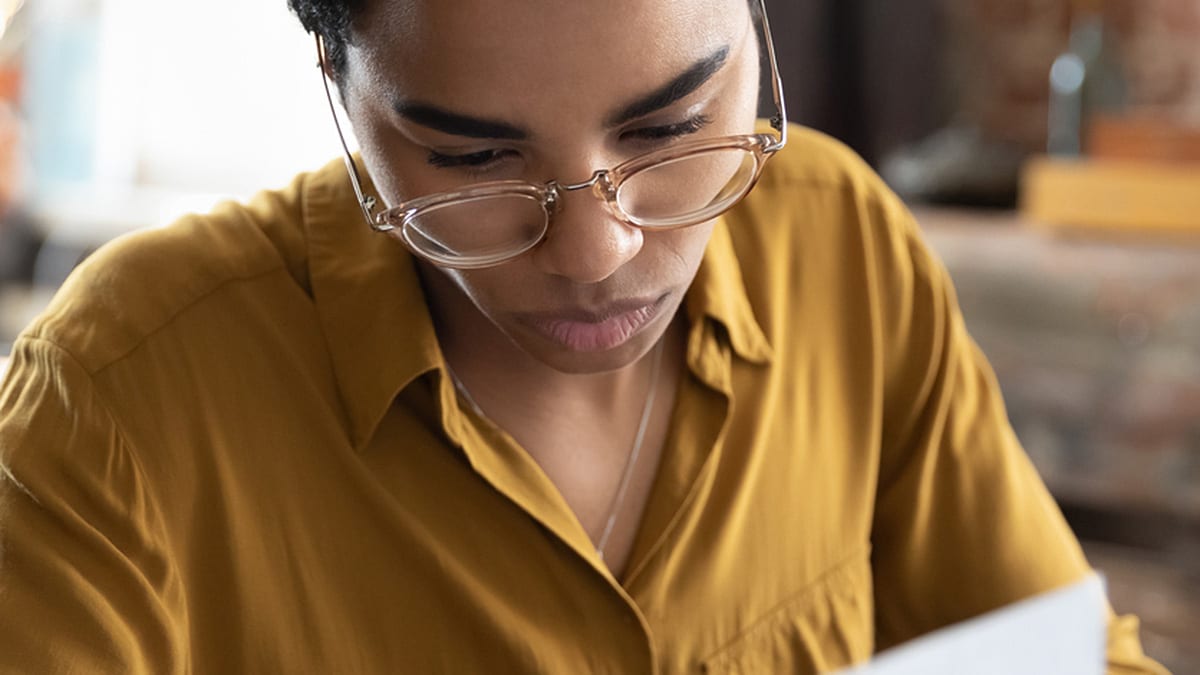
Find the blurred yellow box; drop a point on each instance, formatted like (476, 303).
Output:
(1111, 194)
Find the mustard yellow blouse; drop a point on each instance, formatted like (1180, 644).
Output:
(230, 446)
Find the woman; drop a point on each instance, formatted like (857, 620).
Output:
(568, 410)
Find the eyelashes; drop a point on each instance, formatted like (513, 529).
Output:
(473, 159)
(689, 126)
(483, 159)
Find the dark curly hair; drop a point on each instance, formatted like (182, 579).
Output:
(331, 20)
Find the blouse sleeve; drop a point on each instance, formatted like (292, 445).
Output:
(85, 584)
(963, 522)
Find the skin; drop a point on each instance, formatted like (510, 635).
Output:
(558, 72)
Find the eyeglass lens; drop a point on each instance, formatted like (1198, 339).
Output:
(681, 191)
(479, 227)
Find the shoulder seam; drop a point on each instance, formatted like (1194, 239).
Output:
(37, 334)
(121, 433)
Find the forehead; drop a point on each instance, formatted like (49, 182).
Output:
(458, 49)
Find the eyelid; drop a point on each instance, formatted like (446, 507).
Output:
(433, 141)
(444, 160)
(666, 132)
(667, 117)
(472, 149)
(477, 164)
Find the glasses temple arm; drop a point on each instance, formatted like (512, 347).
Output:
(779, 121)
(366, 203)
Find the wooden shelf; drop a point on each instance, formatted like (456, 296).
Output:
(1125, 195)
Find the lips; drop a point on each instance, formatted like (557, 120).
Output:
(595, 331)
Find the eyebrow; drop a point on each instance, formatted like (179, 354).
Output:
(440, 119)
(685, 83)
(456, 124)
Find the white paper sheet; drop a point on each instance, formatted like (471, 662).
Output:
(1062, 632)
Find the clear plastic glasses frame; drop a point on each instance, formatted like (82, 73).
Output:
(605, 184)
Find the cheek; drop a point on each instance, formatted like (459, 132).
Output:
(491, 291)
(679, 252)
(388, 162)
(398, 167)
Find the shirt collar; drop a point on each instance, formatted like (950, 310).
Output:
(719, 293)
(370, 302)
(378, 327)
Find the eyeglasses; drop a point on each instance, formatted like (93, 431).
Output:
(487, 224)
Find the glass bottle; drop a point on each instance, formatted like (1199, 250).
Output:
(1086, 80)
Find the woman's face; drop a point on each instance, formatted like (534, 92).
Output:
(446, 94)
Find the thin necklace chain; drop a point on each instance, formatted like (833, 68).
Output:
(614, 509)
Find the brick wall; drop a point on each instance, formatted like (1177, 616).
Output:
(999, 55)
(1161, 46)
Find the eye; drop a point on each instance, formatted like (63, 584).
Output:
(669, 131)
(473, 160)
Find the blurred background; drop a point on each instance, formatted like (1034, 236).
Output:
(1050, 149)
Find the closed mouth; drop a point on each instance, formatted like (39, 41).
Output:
(588, 330)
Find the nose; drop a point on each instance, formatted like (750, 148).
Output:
(586, 243)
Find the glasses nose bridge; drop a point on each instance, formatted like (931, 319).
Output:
(598, 177)
(599, 182)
